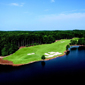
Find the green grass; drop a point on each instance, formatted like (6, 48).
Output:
(21, 57)
(75, 38)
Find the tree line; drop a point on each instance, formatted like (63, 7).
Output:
(10, 41)
(80, 41)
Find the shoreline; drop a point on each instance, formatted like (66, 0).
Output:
(77, 45)
(6, 62)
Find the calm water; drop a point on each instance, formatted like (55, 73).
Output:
(61, 68)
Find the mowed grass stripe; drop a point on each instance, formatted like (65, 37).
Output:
(21, 57)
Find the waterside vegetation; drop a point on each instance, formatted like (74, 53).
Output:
(11, 41)
(22, 55)
(37, 43)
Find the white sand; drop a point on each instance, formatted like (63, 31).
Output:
(49, 56)
(30, 53)
(57, 53)
(52, 54)
(46, 54)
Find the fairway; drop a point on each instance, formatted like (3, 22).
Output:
(29, 54)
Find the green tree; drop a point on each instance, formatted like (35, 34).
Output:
(12, 48)
(68, 46)
(51, 39)
(9, 49)
(4, 52)
(81, 41)
(73, 42)
(43, 57)
(45, 39)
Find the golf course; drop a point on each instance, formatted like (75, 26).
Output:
(34, 53)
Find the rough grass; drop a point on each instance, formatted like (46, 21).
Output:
(21, 57)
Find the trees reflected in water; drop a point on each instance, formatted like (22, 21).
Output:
(81, 47)
(67, 52)
(43, 63)
(74, 48)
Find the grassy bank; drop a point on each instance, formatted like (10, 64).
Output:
(22, 55)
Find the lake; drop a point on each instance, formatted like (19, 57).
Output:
(70, 65)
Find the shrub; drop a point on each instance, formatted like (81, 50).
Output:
(68, 46)
(32, 44)
(43, 57)
(35, 43)
(81, 41)
(26, 45)
(73, 42)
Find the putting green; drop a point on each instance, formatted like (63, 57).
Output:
(22, 56)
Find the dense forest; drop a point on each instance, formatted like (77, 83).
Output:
(10, 41)
(80, 41)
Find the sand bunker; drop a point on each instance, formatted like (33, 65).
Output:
(46, 54)
(51, 54)
(30, 53)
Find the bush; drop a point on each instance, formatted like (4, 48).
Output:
(68, 46)
(81, 41)
(73, 42)
(35, 43)
(32, 44)
(43, 57)
(27, 45)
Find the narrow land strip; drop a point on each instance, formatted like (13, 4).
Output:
(20, 57)
(6, 62)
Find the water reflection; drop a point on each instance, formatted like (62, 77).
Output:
(43, 63)
(81, 48)
(6, 68)
(70, 65)
(67, 52)
(74, 48)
